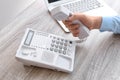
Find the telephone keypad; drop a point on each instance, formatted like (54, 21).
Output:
(59, 45)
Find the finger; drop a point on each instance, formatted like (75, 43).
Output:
(67, 23)
(75, 30)
(73, 26)
(76, 34)
(74, 17)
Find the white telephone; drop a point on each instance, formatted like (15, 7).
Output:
(61, 13)
(46, 50)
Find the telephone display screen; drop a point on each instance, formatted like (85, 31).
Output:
(29, 38)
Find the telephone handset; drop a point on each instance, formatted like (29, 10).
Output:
(61, 13)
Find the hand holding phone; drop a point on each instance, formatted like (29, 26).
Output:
(61, 13)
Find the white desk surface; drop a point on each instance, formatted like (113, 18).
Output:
(96, 59)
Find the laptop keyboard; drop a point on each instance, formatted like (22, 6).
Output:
(83, 5)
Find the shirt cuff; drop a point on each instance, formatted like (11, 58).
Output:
(107, 24)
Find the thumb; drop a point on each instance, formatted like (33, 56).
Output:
(74, 16)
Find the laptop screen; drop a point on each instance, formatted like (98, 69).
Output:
(50, 1)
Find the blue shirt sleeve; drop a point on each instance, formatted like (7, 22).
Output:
(111, 24)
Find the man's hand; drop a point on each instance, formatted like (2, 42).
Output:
(91, 22)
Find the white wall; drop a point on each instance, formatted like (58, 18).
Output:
(10, 8)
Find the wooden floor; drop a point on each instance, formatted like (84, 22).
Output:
(96, 59)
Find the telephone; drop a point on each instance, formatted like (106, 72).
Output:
(61, 13)
(46, 50)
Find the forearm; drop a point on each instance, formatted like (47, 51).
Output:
(111, 24)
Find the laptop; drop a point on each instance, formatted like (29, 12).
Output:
(90, 7)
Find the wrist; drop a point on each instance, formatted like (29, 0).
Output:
(92, 22)
(97, 22)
